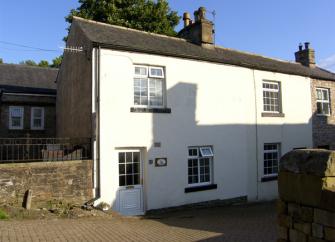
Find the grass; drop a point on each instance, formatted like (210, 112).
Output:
(3, 215)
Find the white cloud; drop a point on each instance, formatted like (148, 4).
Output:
(328, 63)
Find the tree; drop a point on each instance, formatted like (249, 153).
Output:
(148, 15)
(1, 61)
(28, 63)
(57, 62)
(43, 63)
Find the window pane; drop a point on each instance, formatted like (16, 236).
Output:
(122, 169)
(37, 113)
(325, 107)
(325, 94)
(136, 157)
(129, 157)
(141, 71)
(136, 179)
(37, 123)
(16, 121)
(122, 180)
(156, 92)
(122, 157)
(156, 71)
(140, 91)
(129, 180)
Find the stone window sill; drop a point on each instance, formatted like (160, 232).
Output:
(150, 110)
(201, 188)
(271, 115)
(269, 178)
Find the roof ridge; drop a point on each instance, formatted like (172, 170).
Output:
(28, 66)
(258, 55)
(126, 28)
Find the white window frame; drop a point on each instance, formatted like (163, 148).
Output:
(278, 150)
(198, 157)
(10, 126)
(323, 101)
(274, 91)
(156, 76)
(32, 118)
(148, 77)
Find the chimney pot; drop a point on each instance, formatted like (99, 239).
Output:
(196, 16)
(202, 13)
(187, 19)
(307, 45)
(300, 47)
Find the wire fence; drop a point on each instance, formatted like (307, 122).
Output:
(44, 149)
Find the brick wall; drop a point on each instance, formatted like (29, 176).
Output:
(306, 210)
(69, 181)
(323, 126)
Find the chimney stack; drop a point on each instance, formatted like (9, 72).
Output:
(200, 31)
(305, 56)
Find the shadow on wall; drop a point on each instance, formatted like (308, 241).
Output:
(323, 131)
(233, 141)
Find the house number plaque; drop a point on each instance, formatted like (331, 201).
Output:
(160, 162)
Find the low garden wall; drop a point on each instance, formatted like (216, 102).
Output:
(66, 181)
(306, 210)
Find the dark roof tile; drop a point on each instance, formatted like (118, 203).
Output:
(121, 38)
(28, 76)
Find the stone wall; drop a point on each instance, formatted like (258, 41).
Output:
(68, 181)
(306, 209)
(323, 126)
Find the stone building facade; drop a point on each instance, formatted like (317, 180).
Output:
(323, 123)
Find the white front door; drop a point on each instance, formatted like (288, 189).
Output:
(130, 192)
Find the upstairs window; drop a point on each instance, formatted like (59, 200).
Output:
(15, 117)
(37, 118)
(149, 86)
(322, 101)
(271, 97)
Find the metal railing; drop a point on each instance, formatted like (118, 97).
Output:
(44, 149)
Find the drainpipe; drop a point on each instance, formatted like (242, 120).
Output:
(97, 119)
(256, 138)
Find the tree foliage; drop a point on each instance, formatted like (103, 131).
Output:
(1, 61)
(57, 62)
(28, 63)
(148, 15)
(43, 63)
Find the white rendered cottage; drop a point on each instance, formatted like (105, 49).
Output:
(176, 121)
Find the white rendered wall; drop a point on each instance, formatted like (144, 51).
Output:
(211, 104)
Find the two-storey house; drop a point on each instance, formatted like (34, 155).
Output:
(179, 120)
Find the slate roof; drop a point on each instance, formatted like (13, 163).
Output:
(28, 76)
(29, 90)
(120, 38)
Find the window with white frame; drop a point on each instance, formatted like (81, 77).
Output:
(16, 117)
(149, 86)
(322, 101)
(37, 118)
(200, 162)
(271, 158)
(271, 97)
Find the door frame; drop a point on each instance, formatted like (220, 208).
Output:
(142, 151)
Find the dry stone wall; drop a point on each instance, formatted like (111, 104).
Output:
(68, 181)
(306, 209)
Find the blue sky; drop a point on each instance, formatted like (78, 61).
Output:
(270, 28)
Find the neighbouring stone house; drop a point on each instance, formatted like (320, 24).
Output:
(179, 120)
(323, 107)
(27, 101)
